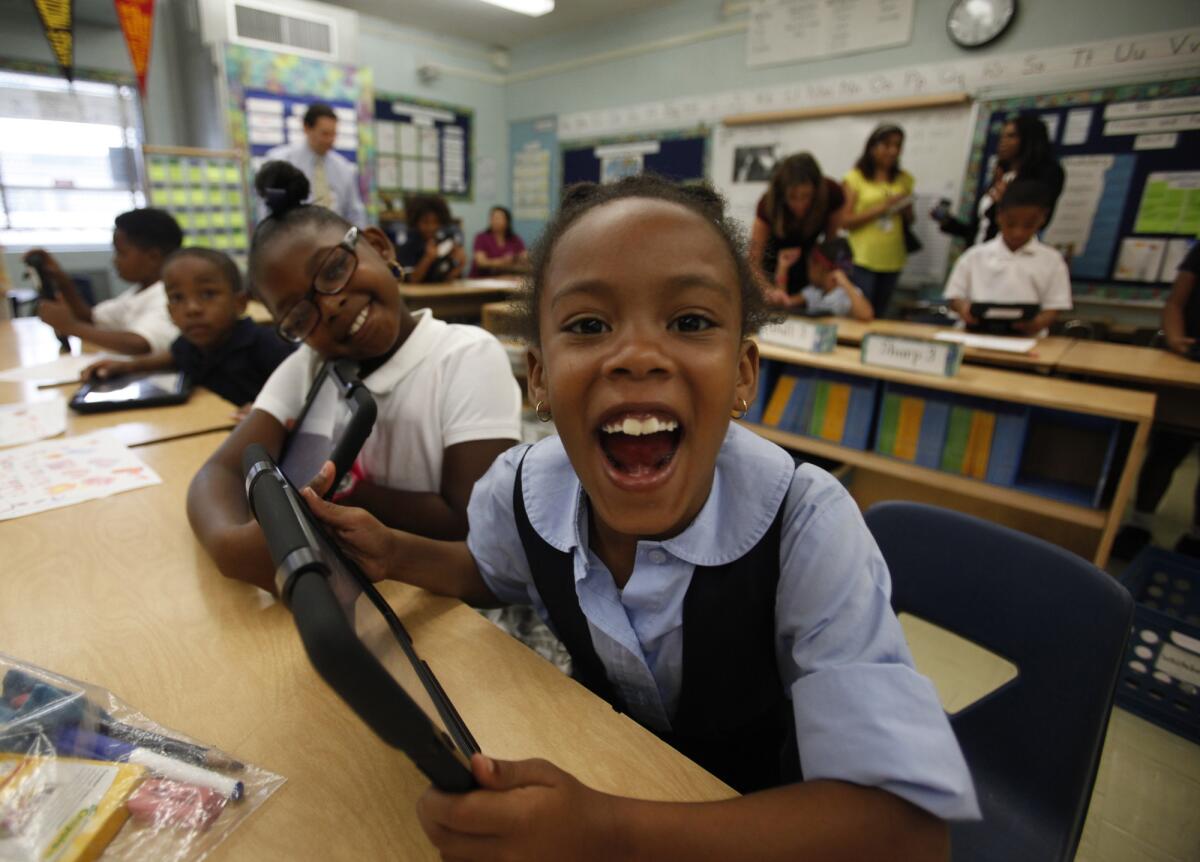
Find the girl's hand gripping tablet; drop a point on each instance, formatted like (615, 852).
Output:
(362, 538)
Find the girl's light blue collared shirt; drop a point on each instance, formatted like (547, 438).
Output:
(863, 714)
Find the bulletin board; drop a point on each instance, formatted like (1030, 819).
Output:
(274, 118)
(206, 193)
(422, 147)
(1130, 208)
(288, 80)
(680, 155)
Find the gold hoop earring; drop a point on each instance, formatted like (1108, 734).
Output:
(543, 414)
(742, 411)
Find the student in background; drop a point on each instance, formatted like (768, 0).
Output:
(878, 207)
(1167, 449)
(829, 290)
(445, 395)
(218, 347)
(1014, 267)
(136, 321)
(1024, 151)
(498, 250)
(731, 602)
(801, 204)
(431, 253)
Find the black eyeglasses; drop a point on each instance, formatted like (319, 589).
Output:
(334, 273)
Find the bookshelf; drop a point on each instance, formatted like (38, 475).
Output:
(1056, 417)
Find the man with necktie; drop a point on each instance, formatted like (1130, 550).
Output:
(333, 178)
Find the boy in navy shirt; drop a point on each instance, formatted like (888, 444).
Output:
(218, 348)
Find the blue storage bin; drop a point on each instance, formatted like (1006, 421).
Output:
(1160, 675)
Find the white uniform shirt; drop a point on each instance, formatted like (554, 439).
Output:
(142, 312)
(447, 384)
(991, 272)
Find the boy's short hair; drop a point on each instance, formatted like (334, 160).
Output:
(1026, 193)
(223, 262)
(151, 229)
(834, 253)
(315, 112)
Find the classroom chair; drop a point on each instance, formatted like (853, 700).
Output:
(1033, 745)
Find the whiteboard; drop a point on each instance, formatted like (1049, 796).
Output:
(792, 31)
(936, 146)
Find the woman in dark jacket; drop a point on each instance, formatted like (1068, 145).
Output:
(1024, 151)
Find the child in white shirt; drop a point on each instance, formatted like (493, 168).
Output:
(137, 320)
(1014, 267)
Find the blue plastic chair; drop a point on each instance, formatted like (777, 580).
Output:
(1033, 745)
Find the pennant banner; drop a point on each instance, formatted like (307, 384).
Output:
(137, 23)
(57, 19)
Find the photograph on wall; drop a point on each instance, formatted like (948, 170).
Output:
(753, 164)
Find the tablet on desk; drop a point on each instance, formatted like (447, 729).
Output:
(353, 638)
(337, 418)
(997, 318)
(130, 392)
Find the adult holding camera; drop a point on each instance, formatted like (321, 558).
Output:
(432, 252)
(1024, 150)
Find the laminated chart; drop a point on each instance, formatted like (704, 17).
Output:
(205, 192)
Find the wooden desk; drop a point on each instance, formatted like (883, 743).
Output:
(1174, 379)
(28, 341)
(1129, 364)
(499, 318)
(1083, 529)
(458, 299)
(127, 599)
(1044, 357)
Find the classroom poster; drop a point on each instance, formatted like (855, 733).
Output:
(57, 473)
(534, 173)
(1170, 203)
(422, 147)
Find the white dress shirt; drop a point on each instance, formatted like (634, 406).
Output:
(340, 173)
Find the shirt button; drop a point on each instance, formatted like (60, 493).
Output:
(657, 556)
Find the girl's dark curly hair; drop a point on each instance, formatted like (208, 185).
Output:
(284, 188)
(581, 198)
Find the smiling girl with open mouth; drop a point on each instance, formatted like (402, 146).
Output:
(732, 603)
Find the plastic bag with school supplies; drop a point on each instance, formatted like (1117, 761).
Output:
(85, 776)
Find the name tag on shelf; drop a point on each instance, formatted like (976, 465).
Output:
(801, 335)
(936, 358)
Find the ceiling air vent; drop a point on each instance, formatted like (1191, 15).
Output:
(262, 26)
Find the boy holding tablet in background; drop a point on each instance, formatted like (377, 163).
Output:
(136, 321)
(218, 348)
(1014, 267)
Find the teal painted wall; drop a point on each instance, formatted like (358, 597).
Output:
(720, 64)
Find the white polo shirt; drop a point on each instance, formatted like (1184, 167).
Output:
(447, 384)
(142, 312)
(1034, 273)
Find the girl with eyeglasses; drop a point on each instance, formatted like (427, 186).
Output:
(446, 398)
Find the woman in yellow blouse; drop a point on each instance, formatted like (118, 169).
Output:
(878, 206)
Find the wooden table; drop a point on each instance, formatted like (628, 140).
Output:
(1044, 357)
(1129, 364)
(458, 299)
(27, 341)
(128, 599)
(1174, 379)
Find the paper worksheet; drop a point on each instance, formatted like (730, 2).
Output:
(35, 420)
(1003, 343)
(56, 473)
(65, 369)
(1140, 259)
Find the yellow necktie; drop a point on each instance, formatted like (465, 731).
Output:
(322, 195)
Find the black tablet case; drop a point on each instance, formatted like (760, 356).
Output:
(300, 550)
